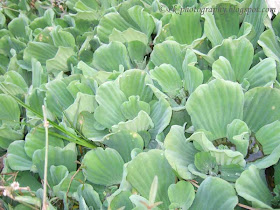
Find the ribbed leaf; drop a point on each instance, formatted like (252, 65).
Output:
(239, 53)
(213, 106)
(90, 195)
(168, 78)
(56, 156)
(133, 106)
(256, 19)
(40, 51)
(221, 69)
(58, 98)
(161, 113)
(109, 98)
(109, 22)
(191, 31)
(270, 45)
(269, 137)
(179, 153)
(181, 195)
(103, 167)
(262, 74)
(223, 156)
(110, 57)
(211, 30)
(9, 112)
(121, 200)
(133, 82)
(143, 19)
(142, 122)
(128, 35)
(58, 173)
(161, 54)
(238, 133)
(261, 107)
(124, 142)
(17, 158)
(252, 186)
(8, 135)
(193, 77)
(142, 170)
(35, 140)
(227, 22)
(215, 193)
(83, 102)
(269, 160)
(59, 62)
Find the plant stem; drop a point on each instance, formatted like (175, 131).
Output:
(46, 125)
(245, 206)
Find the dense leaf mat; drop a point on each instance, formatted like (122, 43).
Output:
(152, 104)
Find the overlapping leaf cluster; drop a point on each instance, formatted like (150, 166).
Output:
(148, 108)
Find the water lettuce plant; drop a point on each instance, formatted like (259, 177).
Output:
(139, 104)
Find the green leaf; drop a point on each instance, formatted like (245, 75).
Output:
(168, 78)
(58, 98)
(35, 140)
(133, 106)
(214, 105)
(181, 195)
(108, 112)
(58, 173)
(109, 22)
(204, 162)
(238, 52)
(256, 19)
(121, 200)
(110, 57)
(82, 103)
(161, 54)
(142, 122)
(104, 167)
(269, 137)
(143, 19)
(124, 142)
(8, 135)
(62, 38)
(18, 26)
(56, 156)
(128, 35)
(38, 74)
(215, 193)
(221, 69)
(261, 107)
(90, 128)
(270, 45)
(134, 82)
(161, 113)
(90, 195)
(238, 133)
(178, 152)
(262, 74)
(223, 156)
(59, 62)
(269, 160)
(211, 30)
(17, 158)
(40, 51)
(193, 77)
(252, 186)
(191, 31)
(9, 112)
(142, 170)
(76, 181)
